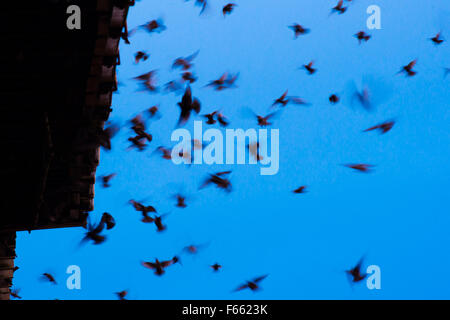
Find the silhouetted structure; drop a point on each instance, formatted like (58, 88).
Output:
(56, 90)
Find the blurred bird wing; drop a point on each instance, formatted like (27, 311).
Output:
(272, 115)
(298, 100)
(260, 278)
(137, 205)
(192, 56)
(223, 173)
(167, 263)
(242, 287)
(412, 64)
(149, 265)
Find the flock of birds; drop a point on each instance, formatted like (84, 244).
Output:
(189, 105)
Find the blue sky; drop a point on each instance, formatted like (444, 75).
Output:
(397, 216)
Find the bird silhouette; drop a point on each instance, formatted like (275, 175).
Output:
(225, 81)
(140, 55)
(216, 267)
(362, 36)
(253, 285)
(309, 68)
(122, 294)
(48, 277)
(160, 266)
(360, 167)
(151, 26)
(339, 8)
(219, 180)
(106, 179)
(408, 69)
(185, 63)
(227, 9)
(94, 233)
(355, 272)
(437, 39)
(334, 98)
(181, 201)
(187, 105)
(284, 100)
(382, 127)
(148, 81)
(145, 210)
(300, 190)
(299, 30)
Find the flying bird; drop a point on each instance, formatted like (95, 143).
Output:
(151, 26)
(284, 100)
(181, 201)
(185, 63)
(339, 7)
(263, 121)
(201, 3)
(187, 105)
(355, 272)
(252, 285)
(299, 30)
(363, 97)
(94, 233)
(138, 142)
(160, 266)
(219, 180)
(194, 248)
(48, 277)
(145, 210)
(300, 190)
(334, 98)
(226, 81)
(216, 267)
(188, 77)
(309, 68)
(408, 69)
(153, 112)
(122, 294)
(437, 39)
(360, 167)
(222, 120)
(106, 179)
(140, 55)
(139, 128)
(214, 117)
(148, 81)
(173, 86)
(165, 152)
(382, 127)
(253, 148)
(210, 118)
(362, 36)
(138, 124)
(227, 9)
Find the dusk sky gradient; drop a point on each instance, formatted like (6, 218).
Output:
(398, 217)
